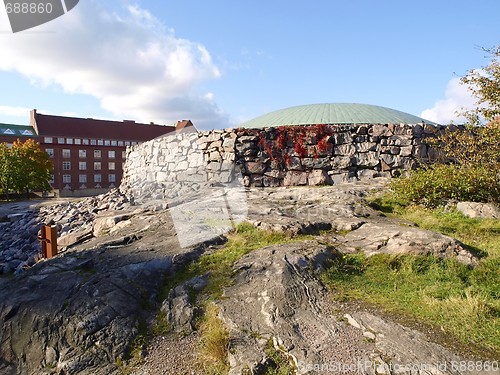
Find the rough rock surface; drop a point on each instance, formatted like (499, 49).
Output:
(77, 313)
(277, 299)
(306, 211)
(479, 210)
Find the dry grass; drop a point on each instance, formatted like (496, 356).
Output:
(214, 342)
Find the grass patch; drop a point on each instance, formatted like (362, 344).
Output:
(463, 301)
(214, 343)
(134, 355)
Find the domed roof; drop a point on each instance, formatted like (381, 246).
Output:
(334, 113)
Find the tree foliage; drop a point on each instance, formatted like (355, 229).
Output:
(24, 167)
(470, 169)
(484, 85)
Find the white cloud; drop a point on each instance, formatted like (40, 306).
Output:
(6, 110)
(126, 58)
(457, 98)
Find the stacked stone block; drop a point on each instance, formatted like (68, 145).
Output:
(172, 166)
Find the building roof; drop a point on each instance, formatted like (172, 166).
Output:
(18, 131)
(185, 126)
(49, 125)
(333, 113)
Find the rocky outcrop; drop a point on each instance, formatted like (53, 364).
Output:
(179, 307)
(386, 237)
(77, 313)
(277, 301)
(356, 226)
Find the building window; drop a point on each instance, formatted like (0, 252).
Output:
(112, 178)
(69, 141)
(78, 141)
(107, 142)
(97, 178)
(82, 178)
(85, 141)
(120, 143)
(47, 139)
(66, 165)
(66, 178)
(111, 154)
(50, 152)
(82, 165)
(97, 154)
(97, 166)
(113, 143)
(111, 165)
(127, 143)
(51, 181)
(66, 153)
(82, 154)
(124, 155)
(60, 141)
(100, 142)
(93, 142)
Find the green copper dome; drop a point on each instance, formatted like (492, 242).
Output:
(334, 113)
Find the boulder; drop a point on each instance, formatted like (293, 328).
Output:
(178, 306)
(103, 224)
(479, 210)
(386, 237)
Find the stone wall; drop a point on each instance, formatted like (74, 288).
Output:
(171, 166)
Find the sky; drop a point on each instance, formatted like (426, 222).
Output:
(220, 63)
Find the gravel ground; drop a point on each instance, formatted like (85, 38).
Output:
(170, 355)
(175, 355)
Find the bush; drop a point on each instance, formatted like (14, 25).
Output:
(433, 185)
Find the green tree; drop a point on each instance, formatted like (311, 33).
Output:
(484, 84)
(470, 169)
(6, 169)
(24, 167)
(32, 167)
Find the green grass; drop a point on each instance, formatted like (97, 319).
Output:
(444, 293)
(463, 301)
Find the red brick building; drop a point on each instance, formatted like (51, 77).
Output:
(88, 154)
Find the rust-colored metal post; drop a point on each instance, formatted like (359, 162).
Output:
(48, 238)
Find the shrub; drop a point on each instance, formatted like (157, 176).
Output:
(435, 184)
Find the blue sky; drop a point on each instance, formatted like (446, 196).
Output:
(222, 62)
